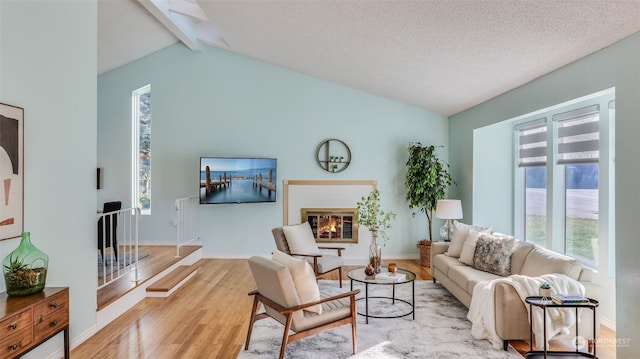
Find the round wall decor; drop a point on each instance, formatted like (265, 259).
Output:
(333, 155)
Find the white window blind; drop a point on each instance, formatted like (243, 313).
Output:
(579, 135)
(532, 143)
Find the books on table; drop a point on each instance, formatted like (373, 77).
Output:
(560, 298)
(391, 277)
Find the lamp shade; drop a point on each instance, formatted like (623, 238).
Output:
(449, 209)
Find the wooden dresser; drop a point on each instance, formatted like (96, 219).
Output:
(26, 322)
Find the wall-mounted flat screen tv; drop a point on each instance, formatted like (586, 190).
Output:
(237, 180)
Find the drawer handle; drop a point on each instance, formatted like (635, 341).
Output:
(14, 346)
(53, 305)
(54, 323)
(13, 326)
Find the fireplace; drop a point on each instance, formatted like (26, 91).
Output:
(332, 225)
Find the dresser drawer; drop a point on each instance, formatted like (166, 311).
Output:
(53, 304)
(15, 343)
(49, 325)
(15, 323)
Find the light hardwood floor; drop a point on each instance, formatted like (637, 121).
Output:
(207, 318)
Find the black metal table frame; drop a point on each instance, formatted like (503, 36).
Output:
(393, 298)
(547, 303)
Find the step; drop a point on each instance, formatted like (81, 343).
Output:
(168, 284)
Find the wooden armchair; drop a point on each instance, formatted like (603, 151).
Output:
(320, 262)
(277, 292)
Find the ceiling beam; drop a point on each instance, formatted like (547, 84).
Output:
(182, 26)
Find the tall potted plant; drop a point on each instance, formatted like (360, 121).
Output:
(427, 180)
(377, 221)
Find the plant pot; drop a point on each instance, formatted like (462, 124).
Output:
(425, 254)
(545, 293)
(25, 269)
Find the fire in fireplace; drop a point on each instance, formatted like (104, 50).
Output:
(332, 225)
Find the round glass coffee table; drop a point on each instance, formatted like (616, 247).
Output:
(358, 275)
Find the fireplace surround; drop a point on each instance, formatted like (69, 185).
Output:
(332, 225)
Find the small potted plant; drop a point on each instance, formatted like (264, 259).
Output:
(545, 290)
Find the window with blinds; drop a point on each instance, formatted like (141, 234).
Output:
(532, 143)
(579, 135)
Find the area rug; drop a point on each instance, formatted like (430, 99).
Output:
(124, 260)
(440, 330)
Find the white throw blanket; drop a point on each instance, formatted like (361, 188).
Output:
(482, 308)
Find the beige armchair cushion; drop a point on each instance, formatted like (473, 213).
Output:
(300, 239)
(304, 279)
(274, 281)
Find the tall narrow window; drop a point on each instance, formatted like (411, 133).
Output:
(142, 149)
(578, 151)
(532, 155)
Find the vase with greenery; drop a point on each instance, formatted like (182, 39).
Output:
(427, 180)
(370, 215)
(25, 269)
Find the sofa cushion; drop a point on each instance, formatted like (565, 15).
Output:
(493, 254)
(444, 263)
(303, 279)
(519, 253)
(543, 261)
(467, 277)
(460, 231)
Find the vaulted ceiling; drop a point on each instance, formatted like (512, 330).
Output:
(443, 56)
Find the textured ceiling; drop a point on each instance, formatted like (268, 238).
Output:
(443, 56)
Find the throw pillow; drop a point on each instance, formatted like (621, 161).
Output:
(460, 231)
(303, 279)
(300, 239)
(493, 254)
(469, 247)
(544, 261)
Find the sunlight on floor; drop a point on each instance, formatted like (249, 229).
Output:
(376, 352)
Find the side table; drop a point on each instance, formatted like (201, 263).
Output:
(537, 301)
(26, 322)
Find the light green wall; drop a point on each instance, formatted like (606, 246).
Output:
(48, 67)
(616, 66)
(492, 167)
(217, 103)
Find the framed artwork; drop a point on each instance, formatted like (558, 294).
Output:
(11, 171)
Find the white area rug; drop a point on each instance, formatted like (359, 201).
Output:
(440, 330)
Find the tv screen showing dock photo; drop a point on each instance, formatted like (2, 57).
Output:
(237, 180)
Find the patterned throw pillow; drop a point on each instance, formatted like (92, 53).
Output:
(493, 254)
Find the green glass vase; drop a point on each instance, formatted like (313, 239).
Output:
(25, 269)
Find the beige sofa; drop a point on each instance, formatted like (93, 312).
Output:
(511, 316)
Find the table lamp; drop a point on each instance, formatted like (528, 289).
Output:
(448, 209)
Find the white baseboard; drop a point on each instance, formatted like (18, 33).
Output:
(608, 323)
